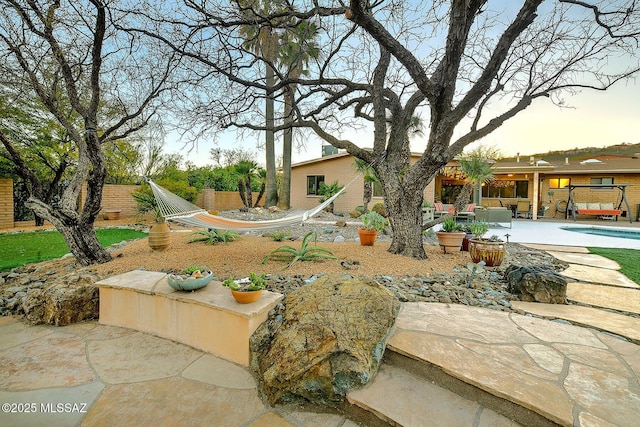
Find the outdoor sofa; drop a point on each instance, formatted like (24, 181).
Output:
(494, 215)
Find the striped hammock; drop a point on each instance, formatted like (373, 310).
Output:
(176, 209)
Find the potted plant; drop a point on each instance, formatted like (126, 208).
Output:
(191, 278)
(468, 235)
(450, 235)
(491, 250)
(247, 290)
(372, 223)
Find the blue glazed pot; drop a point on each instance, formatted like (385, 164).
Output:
(188, 283)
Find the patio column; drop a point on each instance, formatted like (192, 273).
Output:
(536, 192)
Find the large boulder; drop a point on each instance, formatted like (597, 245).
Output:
(330, 338)
(536, 284)
(63, 302)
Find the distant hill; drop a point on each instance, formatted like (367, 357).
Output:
(625, 149)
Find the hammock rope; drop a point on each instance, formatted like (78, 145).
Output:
(176, 209)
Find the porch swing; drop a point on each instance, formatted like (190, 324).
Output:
(608, 210)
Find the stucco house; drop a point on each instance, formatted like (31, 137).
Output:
(544, 184)
(306, 178)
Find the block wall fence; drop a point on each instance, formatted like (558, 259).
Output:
(6, 203)
(118, 198)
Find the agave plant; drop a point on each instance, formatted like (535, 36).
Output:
(306, 252)
(213, 236)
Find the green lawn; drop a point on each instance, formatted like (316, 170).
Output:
(26, 248)
(627, 258)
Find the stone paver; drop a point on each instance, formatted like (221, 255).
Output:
(603, 276)
(53, 407)
(618, 324)
(557, 248)
(592, 260)
(566, 373)
(105, 375)
(139, 357)
(620, 299)
(55, 360)
(410, 401)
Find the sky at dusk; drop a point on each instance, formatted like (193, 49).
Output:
(591, 119)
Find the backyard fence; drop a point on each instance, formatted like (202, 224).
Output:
(117, 198)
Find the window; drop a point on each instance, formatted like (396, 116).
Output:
(600, 181)
(506, 189)
(559, 182)
(377, 190)
(313, 184)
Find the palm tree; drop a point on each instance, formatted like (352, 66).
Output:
(299, 46)
(246, 169)
(263, 40)
(478, 170)
(370, 178)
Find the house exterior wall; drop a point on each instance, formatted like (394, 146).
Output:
(338, 167)
(592, 195)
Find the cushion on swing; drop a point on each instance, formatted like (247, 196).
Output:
(583, 206)
(593, 206)
(606, 206)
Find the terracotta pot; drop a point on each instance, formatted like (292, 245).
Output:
(159, 236)
(451, 241)
(465, 241)
(367, 237)
(246, 297)
(111, 215)
(492, 253)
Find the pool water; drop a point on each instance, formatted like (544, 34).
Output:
(624, 234)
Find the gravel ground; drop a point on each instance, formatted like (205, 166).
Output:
(444, 278)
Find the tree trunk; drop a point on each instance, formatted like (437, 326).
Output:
(242, 192)
(249, 193)
(83, 243)
(77, 230)
(284, 198)
(271, 191)
(367, 193)
(405, 214)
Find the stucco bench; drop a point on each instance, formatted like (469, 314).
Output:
(208, 319)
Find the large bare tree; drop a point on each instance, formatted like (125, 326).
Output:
(70, 57)
(466, 66)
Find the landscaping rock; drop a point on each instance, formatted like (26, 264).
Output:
(536, 284)
(329, 339)
(61, 304)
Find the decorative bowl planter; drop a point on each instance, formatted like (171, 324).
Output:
(246, 297)
(188, 283)
(492, 253)
(367, 237)
(450, 240)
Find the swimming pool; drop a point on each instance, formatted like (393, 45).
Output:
(609, 232)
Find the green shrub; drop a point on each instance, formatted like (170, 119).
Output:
(280, 235)
(355, 213)
(379, 208)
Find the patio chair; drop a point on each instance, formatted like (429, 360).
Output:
(523, 209)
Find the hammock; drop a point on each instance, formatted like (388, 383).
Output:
(176, 209)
